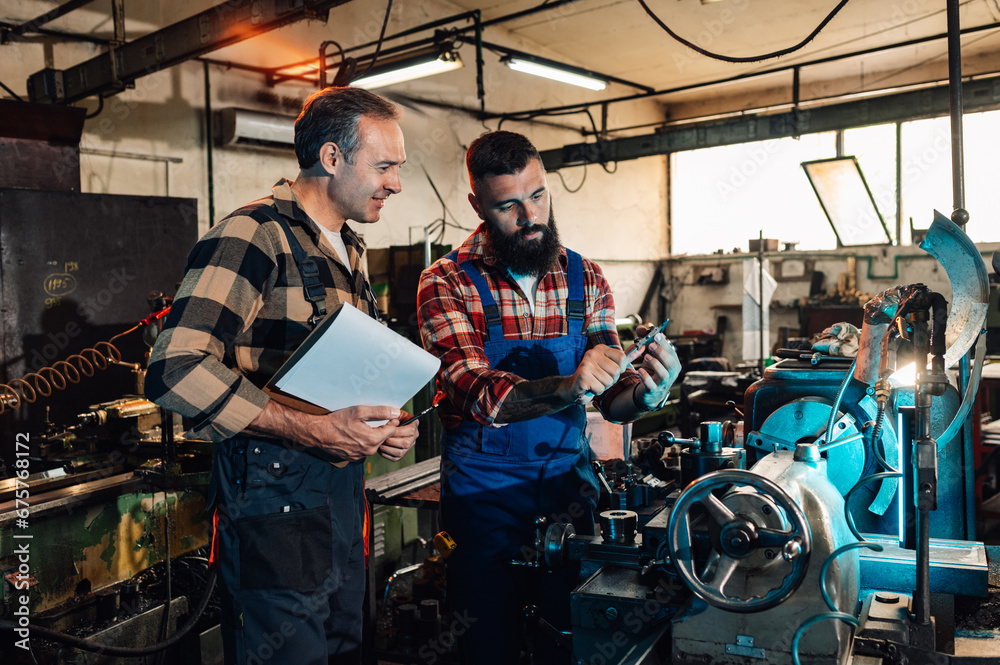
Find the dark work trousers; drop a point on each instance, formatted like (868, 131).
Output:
(289, 548)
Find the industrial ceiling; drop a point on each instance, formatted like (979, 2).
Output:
(865, 47)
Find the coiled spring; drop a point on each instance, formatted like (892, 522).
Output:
(57, 376)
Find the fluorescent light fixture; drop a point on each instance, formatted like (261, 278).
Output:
(425, 62)
(554, 71)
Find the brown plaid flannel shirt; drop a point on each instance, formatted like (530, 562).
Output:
(241, 311)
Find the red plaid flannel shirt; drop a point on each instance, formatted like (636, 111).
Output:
(452, 326)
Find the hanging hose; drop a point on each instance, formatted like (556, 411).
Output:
(840, 398)
(834, 613)
(45, 381)
(876, 430)
(847, 499)
(121, 652)
(846, 618)
(875, 547)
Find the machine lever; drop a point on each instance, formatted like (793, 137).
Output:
(562, 639)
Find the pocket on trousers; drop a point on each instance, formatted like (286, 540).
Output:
(286, 550)
(495, 440)
(273, 471)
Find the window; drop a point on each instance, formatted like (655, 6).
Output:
(926, 172)
(724, 196)
(927, 180)
(875, 149)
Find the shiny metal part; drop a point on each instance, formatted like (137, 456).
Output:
(957, 566)
(970, 289)
(706, 634)
(555, 548)
(744, 647)
(618, 526)
(742, 536)
(804, 421)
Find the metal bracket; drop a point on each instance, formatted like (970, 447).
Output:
(744, 647)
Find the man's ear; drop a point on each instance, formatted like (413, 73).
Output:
(330, 157)
(475, 206)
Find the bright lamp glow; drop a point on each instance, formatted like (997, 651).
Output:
(904, 377)
(445, 62)
(554, 73)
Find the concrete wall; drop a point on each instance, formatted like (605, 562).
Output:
(697, 307)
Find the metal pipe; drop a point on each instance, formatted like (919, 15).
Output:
(955, 86)
(961, 217)
(899, 182)
(760, 302)
(472, 14)
(48, 17)
(396, 575)
(922, 432)
(210, 146)
(480, 87)
(118, 20)
(922, 598)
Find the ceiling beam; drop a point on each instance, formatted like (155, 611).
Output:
(978, 95)
(227, 23)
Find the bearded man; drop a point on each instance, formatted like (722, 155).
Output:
(526, 334)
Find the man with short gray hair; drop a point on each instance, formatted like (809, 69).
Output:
(287, 486)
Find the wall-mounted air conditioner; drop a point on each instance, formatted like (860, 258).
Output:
(255, 128)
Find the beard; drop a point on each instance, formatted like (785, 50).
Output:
(526, 257)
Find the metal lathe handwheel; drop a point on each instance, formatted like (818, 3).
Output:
(737, 537)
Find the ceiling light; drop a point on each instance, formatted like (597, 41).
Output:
(425, 62)
(554, 71)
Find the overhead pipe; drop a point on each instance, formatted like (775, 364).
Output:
(960, 216)
(47, 17)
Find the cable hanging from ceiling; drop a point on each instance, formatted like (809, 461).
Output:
(381, 38)
(599, 135)
(753, 58)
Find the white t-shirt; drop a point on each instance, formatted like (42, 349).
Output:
(528, 284)
(337, 241)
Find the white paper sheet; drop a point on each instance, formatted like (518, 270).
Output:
(356, 361)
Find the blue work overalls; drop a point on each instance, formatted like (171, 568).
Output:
(496, 480)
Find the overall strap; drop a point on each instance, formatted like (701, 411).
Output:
(494, 329)
(576, 310)
(315, 290)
